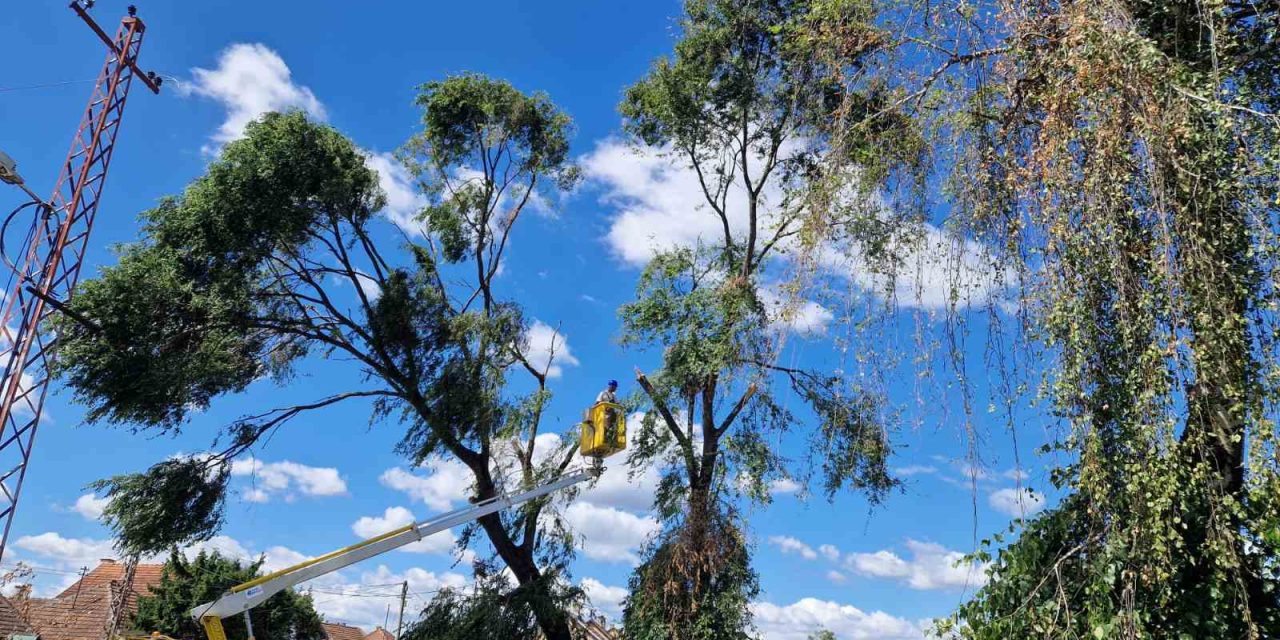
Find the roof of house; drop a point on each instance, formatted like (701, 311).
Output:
(11, 621)
(80, 612)
(592, 629)
(339, 631)
(379, 633)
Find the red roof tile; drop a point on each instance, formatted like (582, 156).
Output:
(80, 612)
(339, 631)
(380, 634)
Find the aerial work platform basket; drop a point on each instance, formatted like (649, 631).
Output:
(604, 430)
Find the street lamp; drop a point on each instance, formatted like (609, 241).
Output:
(9, 174)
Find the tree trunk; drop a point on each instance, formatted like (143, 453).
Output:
(552, 620)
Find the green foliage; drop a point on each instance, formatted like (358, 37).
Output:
(178, 500)
(747, 104)
(1119, 157)
(492, 608)
(696, 583)
(824, 634)
(177, 314)
(271, 256)
(186, 584)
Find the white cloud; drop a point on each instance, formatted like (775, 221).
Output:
(285, 477)
(404, 202)
(396, 517)
(91, 506)
(660, 205)
(364, 601)
(830, 552)
(1016, 503)
(225, 546)
(932, 566)
(808, 615)
(449, 481)
(250, 80)
(607, 534)
(67, 553)
(1016, 474)
(836, 577)
(659, 202)
(547, 350)
(916, 470)
(784, 486)
(617, 489)
(801, 317)
(605, 598)
(787, 544)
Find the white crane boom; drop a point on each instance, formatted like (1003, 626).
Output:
(250, 594)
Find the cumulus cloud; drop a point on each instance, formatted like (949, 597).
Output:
(931, 566)
(607, 534)
(447, 482)
(548, 350)
(396, 517)
(1017, 503)
(836, 577)
(617, 489)
(787, 544)
(784, 486)
(91, 506)
(606, 599)
(403, 199)
(249, 80)
(830, 552)
(659, 205)
(798, 620)
(66, 553)
(285, 478)
(802, 317)
(363, 601)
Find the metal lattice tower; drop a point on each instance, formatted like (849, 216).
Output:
(48, 263)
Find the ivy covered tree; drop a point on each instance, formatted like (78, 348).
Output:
(745, 105)
(274, 257)
(186, 584)
(1120, 157)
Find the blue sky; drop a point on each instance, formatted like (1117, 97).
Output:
(331, 477)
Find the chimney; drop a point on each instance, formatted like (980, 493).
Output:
(107, 560)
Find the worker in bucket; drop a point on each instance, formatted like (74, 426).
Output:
(610, 394)
(612, 415)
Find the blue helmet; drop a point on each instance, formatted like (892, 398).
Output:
(613, 383)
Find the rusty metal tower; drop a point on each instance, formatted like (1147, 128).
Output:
(47, 264)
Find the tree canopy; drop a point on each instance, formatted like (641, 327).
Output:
(747, 106)
(188, 583)
(271, 260)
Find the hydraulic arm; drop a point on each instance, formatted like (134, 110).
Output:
(245, 596)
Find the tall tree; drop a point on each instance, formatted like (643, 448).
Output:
(186, 584)
(274, 255)
(741, 104)
(1121, 157)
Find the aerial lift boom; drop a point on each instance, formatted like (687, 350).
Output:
(245, 596)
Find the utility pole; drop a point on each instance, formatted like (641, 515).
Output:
(47, 265)
(404, 593)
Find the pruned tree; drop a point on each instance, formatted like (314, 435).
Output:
(1120, 159)
(271, 259)
(745, 104)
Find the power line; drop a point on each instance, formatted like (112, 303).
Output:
(46, 85)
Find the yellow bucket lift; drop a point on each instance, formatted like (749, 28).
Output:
(604, 430)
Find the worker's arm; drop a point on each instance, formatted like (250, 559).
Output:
(250, 594)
